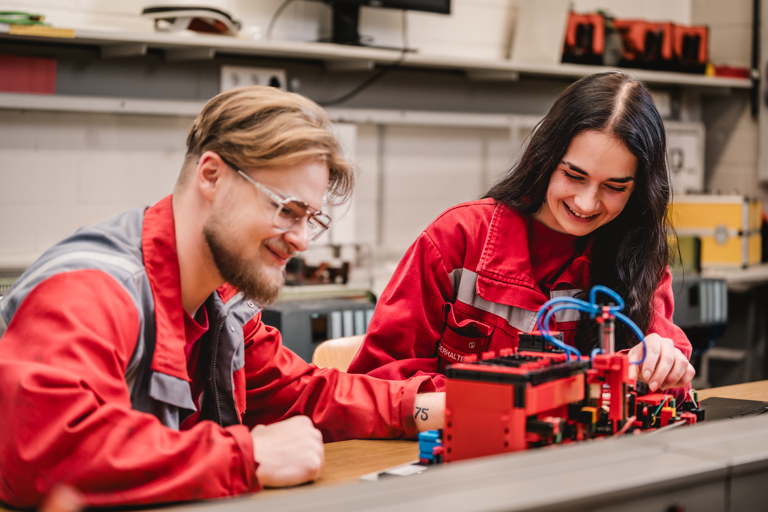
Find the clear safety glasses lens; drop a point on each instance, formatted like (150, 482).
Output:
(289, 213)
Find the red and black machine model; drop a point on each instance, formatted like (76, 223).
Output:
(544, 393)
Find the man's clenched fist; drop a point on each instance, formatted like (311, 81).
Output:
(288, 452)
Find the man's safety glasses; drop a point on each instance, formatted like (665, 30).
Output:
(288, 211)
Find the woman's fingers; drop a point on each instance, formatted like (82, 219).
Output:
(664, 367)
(677, 372)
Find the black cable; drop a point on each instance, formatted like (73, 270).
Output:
(377, 75)
(277, 14)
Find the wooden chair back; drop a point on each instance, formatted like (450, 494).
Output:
(338, 352)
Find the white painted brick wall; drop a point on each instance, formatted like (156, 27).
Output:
(730, 29)
(426, 170)
(735, 167)
(430, 169)
(61, 171)
(735, 178)
(366, 187)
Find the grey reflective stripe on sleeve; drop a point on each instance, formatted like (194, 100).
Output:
(566, 315)
(171, 390)
(114, 248)
(455, 276)
(117, 261)
(519, 318)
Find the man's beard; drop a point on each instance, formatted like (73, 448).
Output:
(247, 276)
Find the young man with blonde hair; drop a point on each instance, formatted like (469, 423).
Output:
(134, 365)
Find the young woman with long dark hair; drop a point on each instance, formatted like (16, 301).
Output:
(585, 205)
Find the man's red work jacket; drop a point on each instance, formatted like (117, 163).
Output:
(85, 404)
(466, 286)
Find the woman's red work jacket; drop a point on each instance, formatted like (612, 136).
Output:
(466, 286)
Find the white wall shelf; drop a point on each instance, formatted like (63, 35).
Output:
(107, 105)
(99, 104)
(198, 46)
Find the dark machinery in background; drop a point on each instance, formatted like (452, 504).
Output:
(701, 309)
(305, 323)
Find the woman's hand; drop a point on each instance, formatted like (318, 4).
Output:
(665, 366)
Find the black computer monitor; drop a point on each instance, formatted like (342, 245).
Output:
(346, 14)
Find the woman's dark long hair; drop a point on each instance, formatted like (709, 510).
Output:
(630, 253)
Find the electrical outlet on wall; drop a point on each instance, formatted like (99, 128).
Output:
(240, 76)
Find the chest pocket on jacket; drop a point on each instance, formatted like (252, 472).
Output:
(461, 338)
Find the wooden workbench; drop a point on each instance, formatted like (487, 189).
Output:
(346, 461)
(747, 391)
